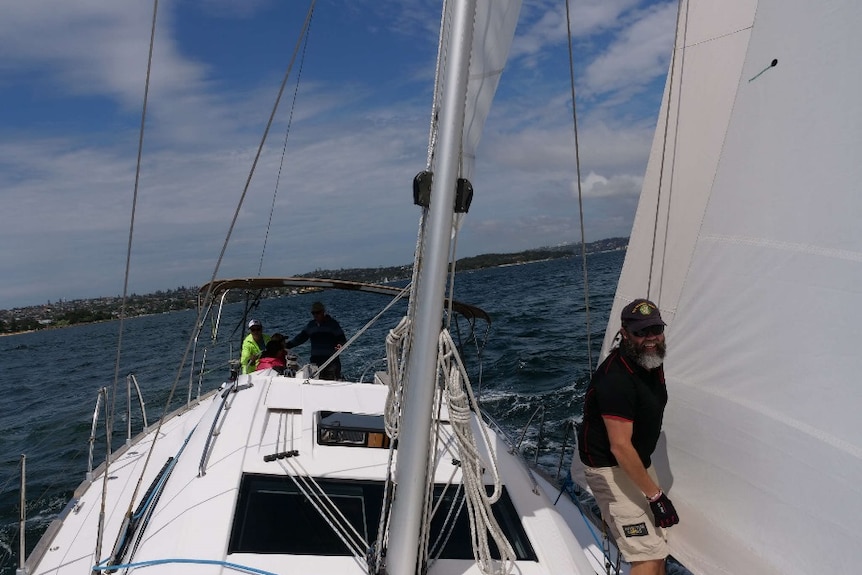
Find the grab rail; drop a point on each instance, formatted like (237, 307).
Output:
(130, 379)
(103, 396)
(23, 518)
(569, 429)
(541, 432)
(570, 425)
(202, 468)
(103, 392)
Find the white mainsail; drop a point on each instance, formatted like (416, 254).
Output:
(493, 32)
(747, 237)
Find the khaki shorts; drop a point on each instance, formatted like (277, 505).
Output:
(627, 513)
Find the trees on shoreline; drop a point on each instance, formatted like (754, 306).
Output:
(65, 313)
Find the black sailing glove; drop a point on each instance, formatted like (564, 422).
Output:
(663, 511)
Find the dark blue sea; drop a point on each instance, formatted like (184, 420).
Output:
(536, 357)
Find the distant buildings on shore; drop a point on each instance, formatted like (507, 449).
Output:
(64, 313)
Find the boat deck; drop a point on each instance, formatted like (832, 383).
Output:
(272, 427)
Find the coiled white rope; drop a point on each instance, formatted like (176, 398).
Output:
(459, 397)
(395, 342)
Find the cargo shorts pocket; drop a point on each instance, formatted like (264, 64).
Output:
(635, 534)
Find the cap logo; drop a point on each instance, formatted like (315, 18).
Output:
(644, 309)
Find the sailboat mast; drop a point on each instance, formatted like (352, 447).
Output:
(412, 471)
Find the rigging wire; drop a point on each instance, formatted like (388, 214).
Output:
(569, 42)
(425, 526)
(259, 150)
(580, 192)
(284, 146)
(208, 295)
(458, 218)
(110, 416)
(404, 291)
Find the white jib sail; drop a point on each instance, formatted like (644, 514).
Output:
(758, 270)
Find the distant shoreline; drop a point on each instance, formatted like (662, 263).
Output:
(4, 334)
(96, 310)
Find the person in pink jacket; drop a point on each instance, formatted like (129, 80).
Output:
(274, 356)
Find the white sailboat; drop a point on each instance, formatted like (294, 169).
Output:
(747, 237)
(293, 474)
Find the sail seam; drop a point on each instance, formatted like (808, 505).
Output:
(719, 37)
(776, 415)
(785, 246)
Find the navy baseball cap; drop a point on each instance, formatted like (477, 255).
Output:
(639, 314)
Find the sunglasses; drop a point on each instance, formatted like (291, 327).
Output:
(649, 330)
(256, 329)
(317, 312)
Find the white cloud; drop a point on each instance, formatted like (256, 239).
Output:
(596, 186)
(73, 76)
(638, 55)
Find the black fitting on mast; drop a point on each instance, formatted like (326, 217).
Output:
(422, 192)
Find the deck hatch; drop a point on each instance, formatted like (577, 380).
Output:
(273, 516)
(351, 429)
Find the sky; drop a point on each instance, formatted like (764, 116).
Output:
(333, 186)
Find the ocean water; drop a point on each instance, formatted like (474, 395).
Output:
(536, 358)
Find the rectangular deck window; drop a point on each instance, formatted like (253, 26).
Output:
(351, 429)
(273, 516)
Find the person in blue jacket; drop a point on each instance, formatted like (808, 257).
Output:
(326, 338)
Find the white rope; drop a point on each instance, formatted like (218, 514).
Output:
(446, 528)
(327, 509)
(385, 516)
(434, 455)
(395, 342)
(394, 366)
(482, 522)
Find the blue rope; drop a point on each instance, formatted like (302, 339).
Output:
(228, 564)
(156, 491)
(163, 479)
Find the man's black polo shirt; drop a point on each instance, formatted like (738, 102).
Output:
(622, 389)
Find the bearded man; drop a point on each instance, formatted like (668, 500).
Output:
(623, 412)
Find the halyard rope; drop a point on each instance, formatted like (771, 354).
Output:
(394, 366)
(459, 397)
(327, 509)
(395, 342)
(482, 522)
